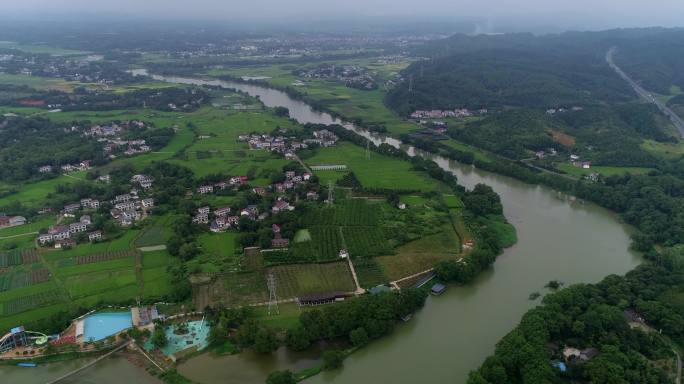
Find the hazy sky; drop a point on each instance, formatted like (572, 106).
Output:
(578, 14)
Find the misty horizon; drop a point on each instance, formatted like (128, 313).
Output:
(495, 17)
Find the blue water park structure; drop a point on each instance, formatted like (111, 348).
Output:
(194, 337)
(20, 337)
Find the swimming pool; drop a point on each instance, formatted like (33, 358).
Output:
(197, 336)
(100, 325)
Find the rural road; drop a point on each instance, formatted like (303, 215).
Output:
(676, 120)
(678, 379)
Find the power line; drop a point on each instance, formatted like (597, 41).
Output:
(272, 298)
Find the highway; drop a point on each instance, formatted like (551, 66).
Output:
(644, 94)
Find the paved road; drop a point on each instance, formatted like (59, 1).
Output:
(644, 94)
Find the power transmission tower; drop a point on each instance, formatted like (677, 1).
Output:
(272, 298)
(330, 193)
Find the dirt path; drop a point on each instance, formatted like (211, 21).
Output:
(359, 290)
(19, 235)
(152, 248)
(139, 274)
(64, 293)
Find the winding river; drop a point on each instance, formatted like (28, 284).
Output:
(558, 238)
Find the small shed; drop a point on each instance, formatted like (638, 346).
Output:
(438, 289)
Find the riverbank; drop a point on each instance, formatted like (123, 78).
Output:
(557, 238)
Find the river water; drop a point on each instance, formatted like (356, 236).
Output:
(558, 239)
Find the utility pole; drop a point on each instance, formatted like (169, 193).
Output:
(330, 193)
(367, 149)
(410, 83)
(272, 298)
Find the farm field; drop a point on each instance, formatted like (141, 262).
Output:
(218, 252)
(39, 82)
(604, 171)
(385, 172)
(157, 233)
(296, 280)
(421, 254)
(32, 286)
(221, 151)
(367, 105)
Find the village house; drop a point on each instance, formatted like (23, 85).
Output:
(69, 209)
(259, 191)
(312, 195)
(105, 179)
(238, 180)
(89, 203)
(45, 169)
(80, 226)
(203, 210)
(125, 206)
(144, 181)
(65, 243)
(278, 241)
(222, 211)
(12, 221)
(221, 185)
(147, 203)
(281, 206)
(201, 218)
(54, 233)
(122, 198)
(204, 189)
(95, 236)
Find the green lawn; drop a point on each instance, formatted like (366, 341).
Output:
(32, 226)
(378, 172)
(157, 232)
(668, 150)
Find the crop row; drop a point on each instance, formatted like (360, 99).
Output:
(366, 241)
(25, 303)
(356, 212)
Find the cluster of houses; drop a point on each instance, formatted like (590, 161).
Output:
(438, 113)
(549, 152)
(233, 182)
(129, 208)
(553, 111)
(287, 146)
(351, 75)
(577, 162)
(66, 168)
(62, 236)
(11, 221)
(224, 218)
(113, 129)
(127, 147)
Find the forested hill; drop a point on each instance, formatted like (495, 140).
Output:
(506, 77)
(523, 70)
(656, 60)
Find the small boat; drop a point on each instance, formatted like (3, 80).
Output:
(27, 365)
